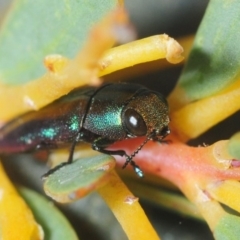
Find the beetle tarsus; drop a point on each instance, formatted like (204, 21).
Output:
(128, 160)
(136, 168)
(51, 171)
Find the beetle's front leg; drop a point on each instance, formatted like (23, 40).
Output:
(101, 143)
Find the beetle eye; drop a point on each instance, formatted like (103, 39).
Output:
(134, 123)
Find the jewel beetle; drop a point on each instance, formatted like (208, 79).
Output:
(100, 116)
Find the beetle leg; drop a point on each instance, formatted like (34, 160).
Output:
(136, 168)
(44, 176)
(101, 143)
(71, 152)
(162, 141)
(69, 161)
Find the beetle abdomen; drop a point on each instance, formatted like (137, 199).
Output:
(53, 126)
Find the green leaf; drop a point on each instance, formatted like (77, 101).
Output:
(75, 180)
(53, 222)
(228, 228)
(234, 146)
(214, 62)
(38, 28)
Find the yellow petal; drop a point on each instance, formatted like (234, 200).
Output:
(16, 219)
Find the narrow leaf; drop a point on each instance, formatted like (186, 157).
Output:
(75, 180)
(54, 224)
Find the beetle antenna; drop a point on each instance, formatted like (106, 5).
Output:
(129, 159)
(140, 147)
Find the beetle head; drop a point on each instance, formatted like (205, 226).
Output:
(146, 114)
